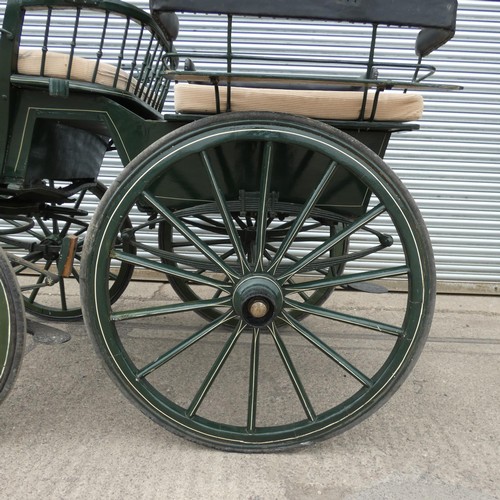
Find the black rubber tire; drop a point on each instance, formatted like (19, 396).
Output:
(12, 327)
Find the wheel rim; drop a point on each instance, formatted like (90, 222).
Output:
(155, 383)
(12, 326)
(46, 235)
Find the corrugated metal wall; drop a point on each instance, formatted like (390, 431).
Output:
(451, 165)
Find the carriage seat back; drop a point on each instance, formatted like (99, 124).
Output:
(436, 17)
(112, 45)
(233, 91)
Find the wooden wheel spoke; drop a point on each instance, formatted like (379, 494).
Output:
(182, 346)
(167, 269)
(346, 318)
(328, 351)
(302, 217)
(345, 280)
(253, 381)
(225, 213)
(169, 309)
(215, 370)
(262, 218)
(189, 234)
(325, 247)
(293, 374)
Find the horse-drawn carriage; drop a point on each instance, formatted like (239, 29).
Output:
(255, 203)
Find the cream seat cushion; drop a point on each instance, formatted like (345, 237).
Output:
(29, 62)
(323, 104)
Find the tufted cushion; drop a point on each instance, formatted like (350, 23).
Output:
(323, 104)
(56, 66)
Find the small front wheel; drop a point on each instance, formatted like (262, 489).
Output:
(47, 294)
(253, 213)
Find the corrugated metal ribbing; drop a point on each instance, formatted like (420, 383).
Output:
(451, 166)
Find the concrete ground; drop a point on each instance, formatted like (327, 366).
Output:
(67, 432)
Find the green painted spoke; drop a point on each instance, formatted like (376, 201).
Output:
(239, 222)
(77, 204)
(253, 381)
(346, 318)
(62, 294)
(219, 241)
(170, 309)
(300, 291)
(112, 276)
(190, 235)
(296, 259)
(292, 373)
(210, 221)
(215, 370)
(182, 346)
(34, 292)
(342, 235)
(262, 220)
(226, 215)
(327, 350)
(219, 291)
(55, 225)
(39, 281)
(302, 217)
(43, 226)
(75, 274)
(81, 231)
(225, 255)
(345, 280)
(168, 269)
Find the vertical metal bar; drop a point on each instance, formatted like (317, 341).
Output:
(369, 70)
(73, 42)
(45, 46)
(417, 69)
(145, 62)
(374, 105)
(122, 53)
(229, 59)
(157, 71)
(148, 63)
(101, 46)
(134, 60)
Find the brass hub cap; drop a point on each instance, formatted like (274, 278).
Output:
(257, 299)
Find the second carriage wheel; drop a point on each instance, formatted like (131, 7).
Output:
(12, 326)
(46, 293)
(255, 374)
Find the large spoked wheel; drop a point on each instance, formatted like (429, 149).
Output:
(47, 293)
(12, 326)
(275, 378)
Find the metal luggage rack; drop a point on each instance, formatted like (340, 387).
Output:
(334, 72)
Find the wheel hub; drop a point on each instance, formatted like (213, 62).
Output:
(257, 299)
